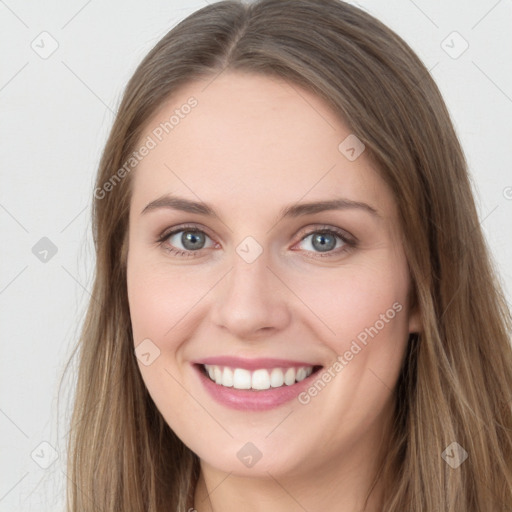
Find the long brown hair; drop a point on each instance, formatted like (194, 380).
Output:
(456, 382)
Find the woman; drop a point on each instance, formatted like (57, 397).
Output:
(294, 307)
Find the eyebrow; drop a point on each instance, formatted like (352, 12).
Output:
(291, 211)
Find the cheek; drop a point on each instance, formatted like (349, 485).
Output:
(166, 307)
(366, 312)
(364, 322)
(160, 304)
(353, 298)
(153, 304)
(161, 298)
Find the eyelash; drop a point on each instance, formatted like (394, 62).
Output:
(350, 243)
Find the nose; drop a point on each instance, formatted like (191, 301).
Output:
(251, 301)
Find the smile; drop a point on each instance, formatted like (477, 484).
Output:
(260, 379)
(254, 384)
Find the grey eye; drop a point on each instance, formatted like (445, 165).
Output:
(323, 242)
(189, 239)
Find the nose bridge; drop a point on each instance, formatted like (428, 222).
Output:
(249, 299)
(249, 276)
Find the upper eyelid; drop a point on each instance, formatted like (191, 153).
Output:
(192, 227)
(333, 229)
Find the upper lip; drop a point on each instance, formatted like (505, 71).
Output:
(253, 363)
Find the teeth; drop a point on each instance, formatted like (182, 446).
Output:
(301, 374)
(276, 378)
(289, 376)
(227, 377)
(260, 379)
(240, 378)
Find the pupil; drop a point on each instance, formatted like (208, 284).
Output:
(324, 246)
(193, 240)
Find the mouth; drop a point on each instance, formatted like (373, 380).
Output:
(259, 379)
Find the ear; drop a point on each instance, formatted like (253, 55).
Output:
(415, 320)
(414, 312)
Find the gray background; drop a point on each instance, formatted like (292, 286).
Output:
(56, 111)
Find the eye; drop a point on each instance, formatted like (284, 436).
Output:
(190, 238)
(326, 240)
(189, 241)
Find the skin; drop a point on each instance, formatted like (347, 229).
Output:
(252, 146)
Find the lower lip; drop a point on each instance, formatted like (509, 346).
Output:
(247, 400)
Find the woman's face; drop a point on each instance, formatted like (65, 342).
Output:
(258, 245)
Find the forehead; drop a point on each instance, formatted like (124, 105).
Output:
(251, 142)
